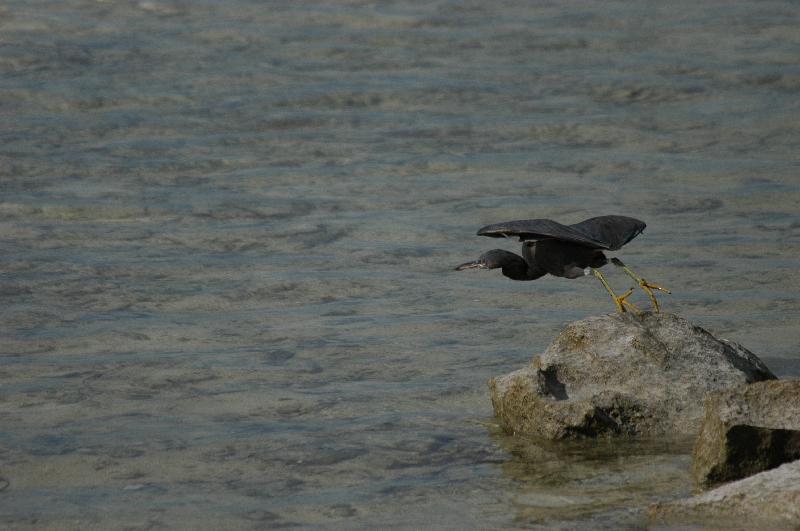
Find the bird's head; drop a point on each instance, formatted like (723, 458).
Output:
(490, 260)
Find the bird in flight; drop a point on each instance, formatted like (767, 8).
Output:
(569, 251)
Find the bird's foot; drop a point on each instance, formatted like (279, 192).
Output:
(649, 285)
(646, 286)
(624, 305)
(619, 301)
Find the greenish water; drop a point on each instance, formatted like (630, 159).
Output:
(228, 233)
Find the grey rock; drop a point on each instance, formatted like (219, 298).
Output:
(768, 500)
(746, 430)
(622, 374)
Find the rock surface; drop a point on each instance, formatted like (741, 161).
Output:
(769, 500)
(746, 430)
(622, 374)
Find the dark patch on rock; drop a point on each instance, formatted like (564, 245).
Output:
(747, 430)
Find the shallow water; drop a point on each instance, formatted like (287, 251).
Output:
(228, 233)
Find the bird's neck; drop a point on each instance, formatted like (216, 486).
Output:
(529, 254)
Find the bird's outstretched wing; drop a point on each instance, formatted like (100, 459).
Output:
(615, 231)
(603, 232)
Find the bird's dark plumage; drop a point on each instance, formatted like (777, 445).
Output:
(550, 247)
(569, 251)
(603, 232)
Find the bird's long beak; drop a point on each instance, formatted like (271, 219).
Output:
(475, 264)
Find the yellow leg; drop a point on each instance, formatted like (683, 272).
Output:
(620, 301)
(648, 287)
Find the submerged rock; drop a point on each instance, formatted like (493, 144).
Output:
(622, 374)
(769, 500)
(747, 430)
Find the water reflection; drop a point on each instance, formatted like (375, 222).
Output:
(593, 480)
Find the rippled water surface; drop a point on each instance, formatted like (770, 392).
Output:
(228, 232)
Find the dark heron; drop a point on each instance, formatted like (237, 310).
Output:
(569, 251)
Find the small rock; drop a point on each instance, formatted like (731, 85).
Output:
(622, 374)
(747, 430)
(769, 500)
